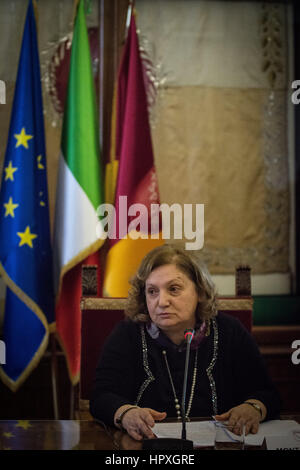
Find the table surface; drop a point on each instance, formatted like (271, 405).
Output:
(70, 435)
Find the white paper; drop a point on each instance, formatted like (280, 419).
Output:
(271, 428)
(289, 442)
(202, 433)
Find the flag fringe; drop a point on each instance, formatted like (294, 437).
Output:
(14, 385)
(31, 304)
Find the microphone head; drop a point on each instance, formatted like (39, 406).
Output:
(189, 335)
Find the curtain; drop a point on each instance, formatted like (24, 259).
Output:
(218, 94)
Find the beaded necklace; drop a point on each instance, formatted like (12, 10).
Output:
(209, 371)
(177, 405)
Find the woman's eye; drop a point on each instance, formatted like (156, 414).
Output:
(174, 289)
(151, 291)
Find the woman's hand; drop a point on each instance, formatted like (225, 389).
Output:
(244, 414)
(139, 421)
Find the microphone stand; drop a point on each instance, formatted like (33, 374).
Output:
(165, 443)
(189, 338)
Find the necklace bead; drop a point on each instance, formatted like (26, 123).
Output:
(177, 405)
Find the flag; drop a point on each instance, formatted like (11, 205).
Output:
(25, 248)
(79, 193)
(136, 181)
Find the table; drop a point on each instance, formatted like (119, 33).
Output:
(69, 435)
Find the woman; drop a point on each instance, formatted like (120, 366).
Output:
(140, 374)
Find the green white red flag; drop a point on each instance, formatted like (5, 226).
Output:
(79, 193)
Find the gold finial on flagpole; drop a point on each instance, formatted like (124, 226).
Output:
(36, 15)
(75, 7)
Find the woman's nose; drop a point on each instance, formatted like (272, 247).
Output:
(163, 299)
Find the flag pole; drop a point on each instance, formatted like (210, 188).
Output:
(54, 374)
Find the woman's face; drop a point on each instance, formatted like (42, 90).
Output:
(171, 298)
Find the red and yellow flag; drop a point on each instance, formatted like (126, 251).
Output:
(136, 187)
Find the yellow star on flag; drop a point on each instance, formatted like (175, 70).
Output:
(10, 207)
(9, 172)
(26, 237)
(22, 138)
(8, 435)
(25, 424)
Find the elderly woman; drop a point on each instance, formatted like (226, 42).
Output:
(140, 374)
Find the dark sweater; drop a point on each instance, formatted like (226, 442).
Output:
(125, 373)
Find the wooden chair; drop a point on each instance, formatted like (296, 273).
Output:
(101, 315)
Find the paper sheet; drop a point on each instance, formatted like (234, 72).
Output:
(279, 428)
(289, 442)
(202, 433)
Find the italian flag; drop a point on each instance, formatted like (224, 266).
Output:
(79, 193)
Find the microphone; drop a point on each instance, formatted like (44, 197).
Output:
(172, 443)
(189, 335)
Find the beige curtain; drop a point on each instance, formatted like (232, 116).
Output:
(219, 123)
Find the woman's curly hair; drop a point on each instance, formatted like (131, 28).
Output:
(188, 264)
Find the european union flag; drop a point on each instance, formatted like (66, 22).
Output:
(25, 248)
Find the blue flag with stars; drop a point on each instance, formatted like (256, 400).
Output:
(25, 247)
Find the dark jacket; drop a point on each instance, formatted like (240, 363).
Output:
(230, 370)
